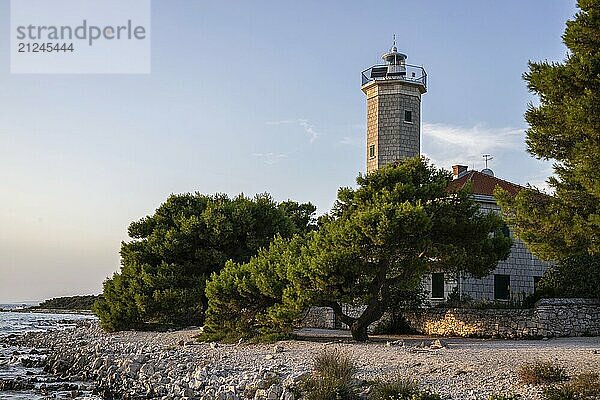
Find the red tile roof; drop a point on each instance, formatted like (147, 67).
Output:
(483, 184)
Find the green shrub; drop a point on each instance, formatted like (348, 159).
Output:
(541, 373)
(576, 276)
(455, 300)
(272, 337)
(582, 387)
(331, 378)
(400, 301)
(401, 389)
(396, 324)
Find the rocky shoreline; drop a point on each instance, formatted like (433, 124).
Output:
(172, 365)
(47, 311)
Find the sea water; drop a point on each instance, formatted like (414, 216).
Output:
(16, 323)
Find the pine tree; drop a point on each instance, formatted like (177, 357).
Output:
(374, 248)
(172, 252)
(565, 127)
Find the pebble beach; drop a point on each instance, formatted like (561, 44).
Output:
(173, 365)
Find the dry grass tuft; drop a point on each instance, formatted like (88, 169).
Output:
(331, 378)
(540, 373)
(333, 364)
(582, 387)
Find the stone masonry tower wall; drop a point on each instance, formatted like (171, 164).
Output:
(393, 93)
(388, 130)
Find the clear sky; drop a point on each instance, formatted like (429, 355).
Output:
(248, 96)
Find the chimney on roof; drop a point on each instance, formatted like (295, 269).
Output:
(459, 170)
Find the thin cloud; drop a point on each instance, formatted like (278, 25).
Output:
(357, 127)
(283, 122)
(303, 123)
(355, 139)
(447, 144)
(270, 158)
(351, 141)
(477, 137)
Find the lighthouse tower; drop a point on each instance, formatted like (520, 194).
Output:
(393, 93)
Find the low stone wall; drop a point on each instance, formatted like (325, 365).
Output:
(548, 318)
(319, 317)
(324, 317)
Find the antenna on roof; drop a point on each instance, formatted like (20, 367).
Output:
(487, 171)
(487, 157)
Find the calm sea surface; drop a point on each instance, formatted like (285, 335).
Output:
(11, 367)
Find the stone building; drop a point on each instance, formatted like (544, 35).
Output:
(393, 92)
(513, 278)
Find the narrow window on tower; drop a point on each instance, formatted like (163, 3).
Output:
(372, 151)
(408, 116)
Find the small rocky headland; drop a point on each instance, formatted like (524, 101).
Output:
(88, 363)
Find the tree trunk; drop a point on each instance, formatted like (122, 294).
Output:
(376, 306)
(359, 331)
(372, 313)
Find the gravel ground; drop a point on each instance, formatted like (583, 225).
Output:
(173, 365)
